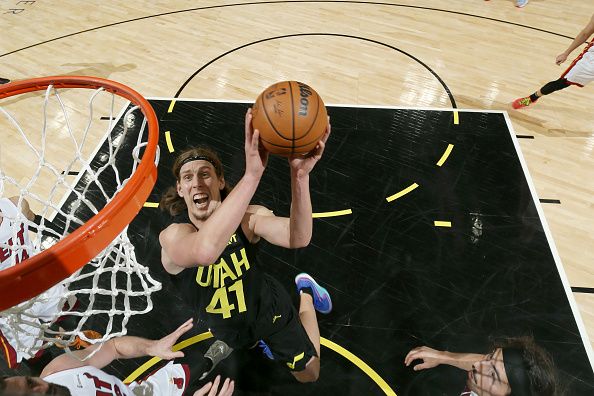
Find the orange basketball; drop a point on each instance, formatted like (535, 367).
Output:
(291, 118)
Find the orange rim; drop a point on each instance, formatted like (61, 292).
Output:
(40, 272)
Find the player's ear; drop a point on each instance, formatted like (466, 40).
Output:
(221, 183)
(178, 188)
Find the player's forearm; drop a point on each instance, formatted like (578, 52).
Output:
(223, 222)
(581, 38)
(462, 361)
(301, 222)
(128, 347)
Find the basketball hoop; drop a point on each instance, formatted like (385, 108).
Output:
(101, 239)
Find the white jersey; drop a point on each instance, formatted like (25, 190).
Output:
(18, 340)
(14, 237)
(170, 380)
(581, 70)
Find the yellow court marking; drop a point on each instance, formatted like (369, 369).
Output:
(456, 119)
(168, 140)
(331, 214)
(403, 192)
(179, 346)
(151, 204)
(442, 223)
(445, 155)
(359, 363)
(171, 106)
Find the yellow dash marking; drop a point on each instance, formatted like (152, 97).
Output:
(171, 106)
(332, 214)
(442, 223)
(403, 192)
(359, 363)
(276, 317)
(151, 204)
(168, 140)
(295, 360)
(445, 155)
(456, 118)
(177, 347)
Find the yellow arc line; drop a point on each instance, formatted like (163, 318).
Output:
(445, 155)
(171, 106)
(168, 140)
(181, 345)
(442, 223)
(151, 204)
(403, 192)
(359, 363)
(456, 119)
(332, 214)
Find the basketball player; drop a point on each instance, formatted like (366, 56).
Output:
(580, 72)
(70, 375)
(209, 251)
(15, 246)
(516, 367)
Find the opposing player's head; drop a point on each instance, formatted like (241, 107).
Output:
(517, 367)
(200, 184)
(13, 386)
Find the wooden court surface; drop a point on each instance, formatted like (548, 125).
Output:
(363, 53)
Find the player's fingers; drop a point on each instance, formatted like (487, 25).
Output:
(255, 139)
(231, 388)
(215, 386)
(202, 391)
(412, 355)
(421, 366)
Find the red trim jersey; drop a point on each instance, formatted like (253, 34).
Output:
(18, 340)
(170, 380)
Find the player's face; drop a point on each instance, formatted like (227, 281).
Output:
(488, 377)
(28, 385)
(200, 187)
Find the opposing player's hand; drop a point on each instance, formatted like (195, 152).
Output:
(210, 389)
(303, 164)
(561, 58)
(162, 348)
(256, 157)
(430, 357)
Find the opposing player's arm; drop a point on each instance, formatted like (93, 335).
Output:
(25, 208)
(126, 347)
(580, 39)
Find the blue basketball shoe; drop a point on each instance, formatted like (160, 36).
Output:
(321, 298)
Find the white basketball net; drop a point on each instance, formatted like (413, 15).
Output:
(67, 166)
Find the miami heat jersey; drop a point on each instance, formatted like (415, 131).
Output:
(227, 293)
(14, 237)
(171, 380)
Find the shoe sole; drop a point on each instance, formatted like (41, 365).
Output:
(316, 288)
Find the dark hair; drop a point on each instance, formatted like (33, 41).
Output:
(61, 390)
(171, 202)
(538, 364)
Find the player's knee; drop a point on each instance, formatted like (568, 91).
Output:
(308, 375)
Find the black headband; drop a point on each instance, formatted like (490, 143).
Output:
(517, 372)
(198, 158)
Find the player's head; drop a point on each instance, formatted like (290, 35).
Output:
(200, 183)
(517, 367)
(13, 386)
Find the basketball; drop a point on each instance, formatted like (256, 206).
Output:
(291, 118)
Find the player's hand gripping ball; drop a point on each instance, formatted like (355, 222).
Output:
(291, 118)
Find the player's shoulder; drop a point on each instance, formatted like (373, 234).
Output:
(174, 230)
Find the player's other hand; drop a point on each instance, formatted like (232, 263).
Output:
(303, 164)
(256, 157)
(430, 357)
(212, 388)
(561, 58)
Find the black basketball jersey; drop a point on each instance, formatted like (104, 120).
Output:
(227, 293)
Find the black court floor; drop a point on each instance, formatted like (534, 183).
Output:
(427, 232)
